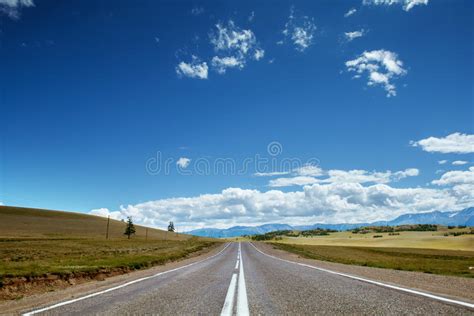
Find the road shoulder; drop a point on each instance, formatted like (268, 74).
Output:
(448, 286)
(14, 307)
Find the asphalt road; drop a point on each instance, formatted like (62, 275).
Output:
(242, 280)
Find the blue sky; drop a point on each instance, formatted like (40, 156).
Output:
(92, 91)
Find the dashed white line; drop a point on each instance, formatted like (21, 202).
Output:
(236, 265)
(242, 302)
(119, 286)
(228, 307)
(435, 297)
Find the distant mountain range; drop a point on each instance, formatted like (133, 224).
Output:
(464, 217)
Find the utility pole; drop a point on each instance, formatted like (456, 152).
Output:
(146, 234)
(108, 223)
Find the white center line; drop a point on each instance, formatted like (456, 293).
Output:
(120, 286)
(236, 265)
(435, 297)
(242, 302)
(228, 307)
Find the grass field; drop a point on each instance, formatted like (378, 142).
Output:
(412, 239)
(37, 244)
(447, 262)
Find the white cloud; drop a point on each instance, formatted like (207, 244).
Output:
(442, 162)
(270, 174)
(309, 170)
(251, 16)
(104, 212)
(461, 185)
(259, 53)
(459, 162)
(350, 12)
(381, 65)
(407, 4)
(221, 64)
(330, 203)
(363, 176)
(456, 177)
(454, 143)
(194, 69)
(183, 162)
(311, 174)
(234, 46)
(288, 182)
(350, 36)
(300, 31)
(12, 7)
(197, 11)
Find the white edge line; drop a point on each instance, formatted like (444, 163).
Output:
(228, 307)
(435, 297)
(119, 286)
(242, 302)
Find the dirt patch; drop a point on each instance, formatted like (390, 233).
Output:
(18, 287)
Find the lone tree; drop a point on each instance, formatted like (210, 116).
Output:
(130, 228)
(171, 227)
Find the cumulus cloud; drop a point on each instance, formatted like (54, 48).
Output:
(459, 162)
(309, 170)
(104, 212)
(461, 186)
(12, 7)
(350, 12)
(363, 176)
(183, 162)
(193, 69)
(456, 177)
(330, 203)
(407, 4)
(288, 182)
(221, 64)
(454, 143)
(382, 67)
(310, 175)
(350, 36)
(234, 47)
(300, 31)
(442, 162)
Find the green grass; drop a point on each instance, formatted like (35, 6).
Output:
(41, 242)
(447, 262)
(68, 256)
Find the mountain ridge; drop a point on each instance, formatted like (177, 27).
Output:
(463, 217)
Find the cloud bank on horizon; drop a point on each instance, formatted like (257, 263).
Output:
(332, 196)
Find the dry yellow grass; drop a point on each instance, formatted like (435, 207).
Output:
(44, 245)
(425, 240)
(18, 222)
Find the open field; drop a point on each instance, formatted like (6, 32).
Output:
(447, 262)
(42, 247)
(410, 239)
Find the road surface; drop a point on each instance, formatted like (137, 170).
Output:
(242, 280)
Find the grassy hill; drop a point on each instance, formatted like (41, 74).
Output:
(41, 250)
(20, 222)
